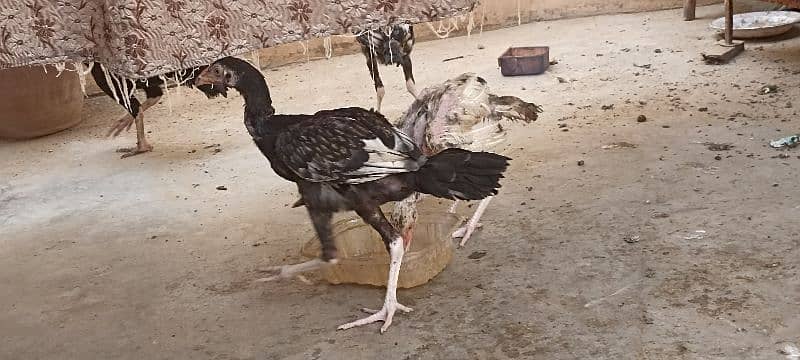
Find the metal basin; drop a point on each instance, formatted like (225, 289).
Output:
(759, 24)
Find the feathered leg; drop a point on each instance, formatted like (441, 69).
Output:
(404, 216)
(126, 121)
(409, 75)
(322, 226)
(112, 88)
(394, 244)
(372, 65)
(472, 224)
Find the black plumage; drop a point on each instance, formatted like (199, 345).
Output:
(352, 159)
(390, 45)
(152, 87)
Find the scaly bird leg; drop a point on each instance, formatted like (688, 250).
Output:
(379, 92)
(453, 207)
(472, 224)
(408, 73)
(372, 65)
(142, 146)
(125, 122)
(410, 86)
(288, 271)
(390, 304)
(460, 232)
(141, 142)
(150, 102)
(394, 244)
(322, 225)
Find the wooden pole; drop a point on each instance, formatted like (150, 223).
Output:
(689, 7)
(725, 52)
(728, 22)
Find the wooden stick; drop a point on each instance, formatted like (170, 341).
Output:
(689, 7)
(728, 22)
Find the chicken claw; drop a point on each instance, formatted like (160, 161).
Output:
(139, 149)
(282, 272)
(390, 304)
(386, 314)
(460, 232)
(124, 123)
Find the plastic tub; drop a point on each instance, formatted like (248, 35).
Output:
(363, 258)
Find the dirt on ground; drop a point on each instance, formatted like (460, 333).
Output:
(677, 237)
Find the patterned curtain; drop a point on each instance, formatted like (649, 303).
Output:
(142, 38)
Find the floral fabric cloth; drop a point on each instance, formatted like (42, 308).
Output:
(142, 38)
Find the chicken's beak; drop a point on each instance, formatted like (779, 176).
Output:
(207, 78)
(211, 91)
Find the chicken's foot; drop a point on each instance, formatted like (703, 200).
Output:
(141, 142)
(390, 304)
(124, 123)
(281, 272)
(142, 146)
(460, 232)
(131, 151)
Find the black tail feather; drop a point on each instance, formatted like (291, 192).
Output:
(461, 174)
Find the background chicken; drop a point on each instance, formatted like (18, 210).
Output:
(352, 159)
(460, 113)
(153, 91)
(390, 45)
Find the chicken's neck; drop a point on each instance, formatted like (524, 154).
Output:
(257, 103)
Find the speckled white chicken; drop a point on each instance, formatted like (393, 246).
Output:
(459, 113)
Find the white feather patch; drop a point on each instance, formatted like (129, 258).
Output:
(383, 161)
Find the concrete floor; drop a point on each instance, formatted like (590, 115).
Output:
(143, 258)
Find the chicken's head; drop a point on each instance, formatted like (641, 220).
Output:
(219, 75)
(231, 72)
(209, 90)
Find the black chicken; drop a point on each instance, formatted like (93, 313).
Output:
(352, 159)
(390, 45)
(153, 91)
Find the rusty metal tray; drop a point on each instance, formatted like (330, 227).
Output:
(530, 60)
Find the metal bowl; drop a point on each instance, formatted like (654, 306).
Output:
(528, 60)
(759, 24)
